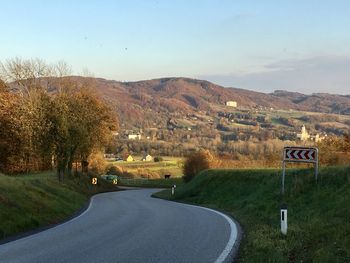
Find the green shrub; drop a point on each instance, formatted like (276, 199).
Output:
(114, 170)
(158, 159)
(97, 163)
(195, 163)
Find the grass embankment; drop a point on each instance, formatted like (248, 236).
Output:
(31, 201)
(152, 183)
(318, 215)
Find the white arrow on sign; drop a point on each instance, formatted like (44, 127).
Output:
(310, 155)
(296, 154)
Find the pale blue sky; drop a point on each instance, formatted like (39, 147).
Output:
(263, 45)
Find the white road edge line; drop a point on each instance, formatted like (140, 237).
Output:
(223, 256)
(233, 235)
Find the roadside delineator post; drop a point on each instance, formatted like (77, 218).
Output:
(284, 223)
(173, 189)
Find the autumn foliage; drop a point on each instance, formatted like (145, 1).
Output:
(197, 162)
(334, 150)
(42, 127)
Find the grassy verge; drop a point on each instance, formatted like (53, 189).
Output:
(152, 183)
(31, 201)
(318, 215)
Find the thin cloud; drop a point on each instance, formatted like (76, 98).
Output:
(328, 74)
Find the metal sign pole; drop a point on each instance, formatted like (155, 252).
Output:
(316, 167)
(283, 175)
(299, 155)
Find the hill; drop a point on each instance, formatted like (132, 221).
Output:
(318, 102)
(135, 100)
(173, 116)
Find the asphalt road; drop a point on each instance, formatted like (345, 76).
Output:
(130, 226)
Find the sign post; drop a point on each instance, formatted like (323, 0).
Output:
(299, 155)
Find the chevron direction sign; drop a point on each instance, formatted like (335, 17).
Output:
(299, 154)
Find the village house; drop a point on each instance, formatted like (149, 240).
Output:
(147, 158)
(134, 136)
(130, 158)
(109, 155)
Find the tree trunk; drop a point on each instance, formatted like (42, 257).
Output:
(70, 168)
(61, 168)
(70, 161)
(84, 167)
(53, 162)
(76, 168)
(60, 173)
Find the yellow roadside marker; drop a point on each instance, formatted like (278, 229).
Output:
(94, 180)
(115, 181)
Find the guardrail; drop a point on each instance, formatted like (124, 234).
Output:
(134, 181)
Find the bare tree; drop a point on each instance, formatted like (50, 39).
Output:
(62, 69)
(31, 73)
(87, 73)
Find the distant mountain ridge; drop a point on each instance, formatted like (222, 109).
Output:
(153, 101)
(318, 102)
(199, 94)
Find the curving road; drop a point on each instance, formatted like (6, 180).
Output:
(130, 226)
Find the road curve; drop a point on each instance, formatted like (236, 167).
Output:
(130, 226)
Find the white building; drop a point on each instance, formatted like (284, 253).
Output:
(231, 103)
(134, 136)
(115, 133)
(304, 135)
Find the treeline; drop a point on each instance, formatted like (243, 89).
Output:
(254, 148)
(48, 121)
(332, 151)
(335, 150)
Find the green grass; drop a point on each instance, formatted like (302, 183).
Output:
(318, 215)
(35, 200)
(152, 183)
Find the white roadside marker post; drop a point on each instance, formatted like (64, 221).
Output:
(284, 224)
(173, 189)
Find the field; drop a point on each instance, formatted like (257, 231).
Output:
(35, 200)
(152, 183)
(169, 165)
(318, 215)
